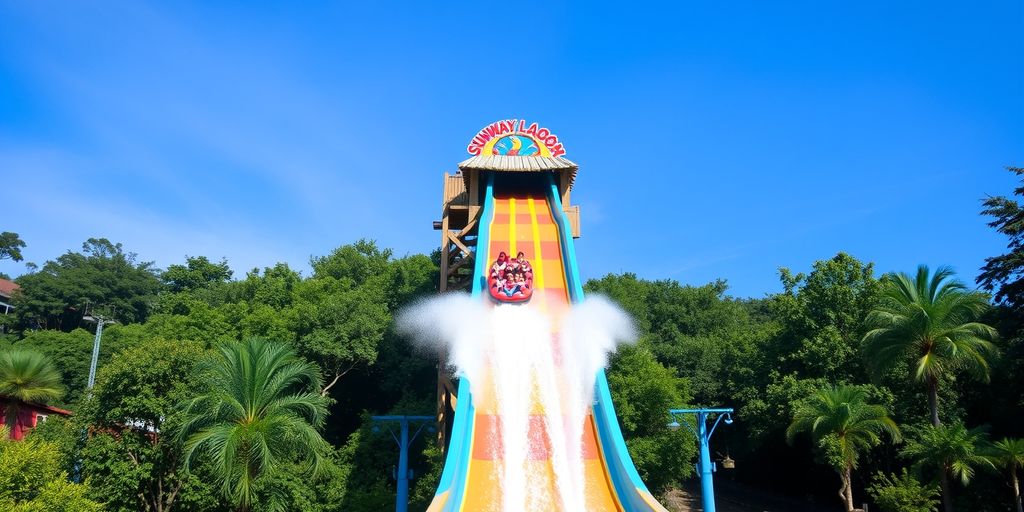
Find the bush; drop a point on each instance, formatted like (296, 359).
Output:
(903, 493)
(31, 479)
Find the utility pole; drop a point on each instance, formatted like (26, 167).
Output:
(705, 466)
(100, 321)
(403, 474)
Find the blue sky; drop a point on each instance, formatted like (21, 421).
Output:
(715, 140)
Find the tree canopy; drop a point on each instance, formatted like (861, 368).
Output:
(10, 246)
(102, 279)
(699, 346)
(1003, 273)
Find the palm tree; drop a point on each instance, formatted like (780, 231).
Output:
(933, 322)
(27, 376)
(1009, 454)
(842, 422)
(951, 450)
(263, 408)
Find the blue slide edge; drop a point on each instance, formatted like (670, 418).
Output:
(627, 482)
(456, 463)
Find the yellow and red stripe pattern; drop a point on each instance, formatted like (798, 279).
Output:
(523, 222)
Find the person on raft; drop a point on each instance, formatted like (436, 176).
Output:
(524, 264)
(521, 281)
(511, 287)
(512, 266)
(499, 267)
(511, 277)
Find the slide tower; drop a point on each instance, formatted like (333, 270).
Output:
(513, 195)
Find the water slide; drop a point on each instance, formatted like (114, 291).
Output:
(530, 219)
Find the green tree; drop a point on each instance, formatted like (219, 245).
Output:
(10, 246)
(931, 320)
(821, 316)
(698, 330)
(948, 450)
(903, 493)
(31, 479)
(27, 377)
(346, 308)
(72, 353)
(131, 459)
(1008, 454)
(263, 409)
(1003, 273)
(643, 391)
(844, 426)
(197, 272)
(103, 278)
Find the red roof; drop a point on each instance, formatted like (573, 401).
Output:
(39, 407)
(6, 287)
(52, 409)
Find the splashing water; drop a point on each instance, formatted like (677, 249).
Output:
(532, 365)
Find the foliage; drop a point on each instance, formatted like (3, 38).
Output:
(822, 315)
(31, 479)
(261, 410)
(842, 417)
(844, 425)
(292, 489)
(197, 272)
(698, 345)
(346, 306)
(103, 279)
(131, 455)
(1008, 455)
(370, 454)
(933, 321)
(27, 377)
(697, 330)
(10, 246)
(1003, 273)
(948, 449)
(72, 353)
(643, 391)
(903, 493)
(338, 317)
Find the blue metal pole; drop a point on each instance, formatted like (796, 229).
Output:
(95, 353)
(402, 500)
(707, 485)
(404, 440)
(704, 466)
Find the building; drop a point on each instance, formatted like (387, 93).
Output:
(29, 415)
(7, 288)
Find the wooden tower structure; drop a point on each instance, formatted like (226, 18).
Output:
(461, 206)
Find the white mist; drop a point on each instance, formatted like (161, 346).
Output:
(513, 345)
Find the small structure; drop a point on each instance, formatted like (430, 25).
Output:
(7, 289)
(29, 415)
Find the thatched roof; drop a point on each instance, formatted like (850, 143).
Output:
(505, 163)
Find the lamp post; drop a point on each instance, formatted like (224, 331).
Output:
(100, 321)
(403, 474)
(707, 486)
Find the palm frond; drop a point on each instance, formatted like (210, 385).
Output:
(264, 407)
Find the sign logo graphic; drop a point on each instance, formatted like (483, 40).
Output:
(514, 137)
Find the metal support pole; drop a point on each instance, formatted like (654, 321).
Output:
(404, 440)
(704, 465)
(95, 353)
(402, 500)
(707, 485)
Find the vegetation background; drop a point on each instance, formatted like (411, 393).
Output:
(782, 361)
